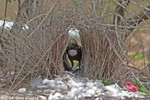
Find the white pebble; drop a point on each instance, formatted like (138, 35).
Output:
(22, 90)
(80, 88)
(64, 87)
(90, 91)
(39, 91)
(50, 97)
(47, 81)
(98, 98)
(123, 94)
(58, 88)
(73, 90)
(70, 96)
(85, 89)
(115, 95)
(80, 96)
(136, 95)
(86, 95)
(89, 84)
(103, 94)
(59, 82)
(72, 83)
(111, 89)
(98, 91)
(42, 97)
(80, 84)
(61, 87)
(57, 96)
(94, 88)
(43, 87)
(51, 85)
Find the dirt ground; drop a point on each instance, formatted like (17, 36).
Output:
(141, 43)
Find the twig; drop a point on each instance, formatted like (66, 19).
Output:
(19, 4)
(39, 60)
(120, 11)
(18, 73)
(137, 19)
(48, 13)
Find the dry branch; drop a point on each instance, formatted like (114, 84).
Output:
(133, 22)
(22, 16)
(137, 19)
(120, 11)
(42, 52)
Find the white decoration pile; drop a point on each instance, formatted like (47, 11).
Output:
(71, 87)
(8, 25)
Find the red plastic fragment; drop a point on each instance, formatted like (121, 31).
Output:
(131, 87)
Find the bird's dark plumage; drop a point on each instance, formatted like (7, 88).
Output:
(73, 52)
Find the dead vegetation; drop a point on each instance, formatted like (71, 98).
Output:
(39, 49)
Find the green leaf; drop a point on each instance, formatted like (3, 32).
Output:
(137, 83)
(106, 82)
(122, 87)
(141, 56)
(137, 56)
(140, 88)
